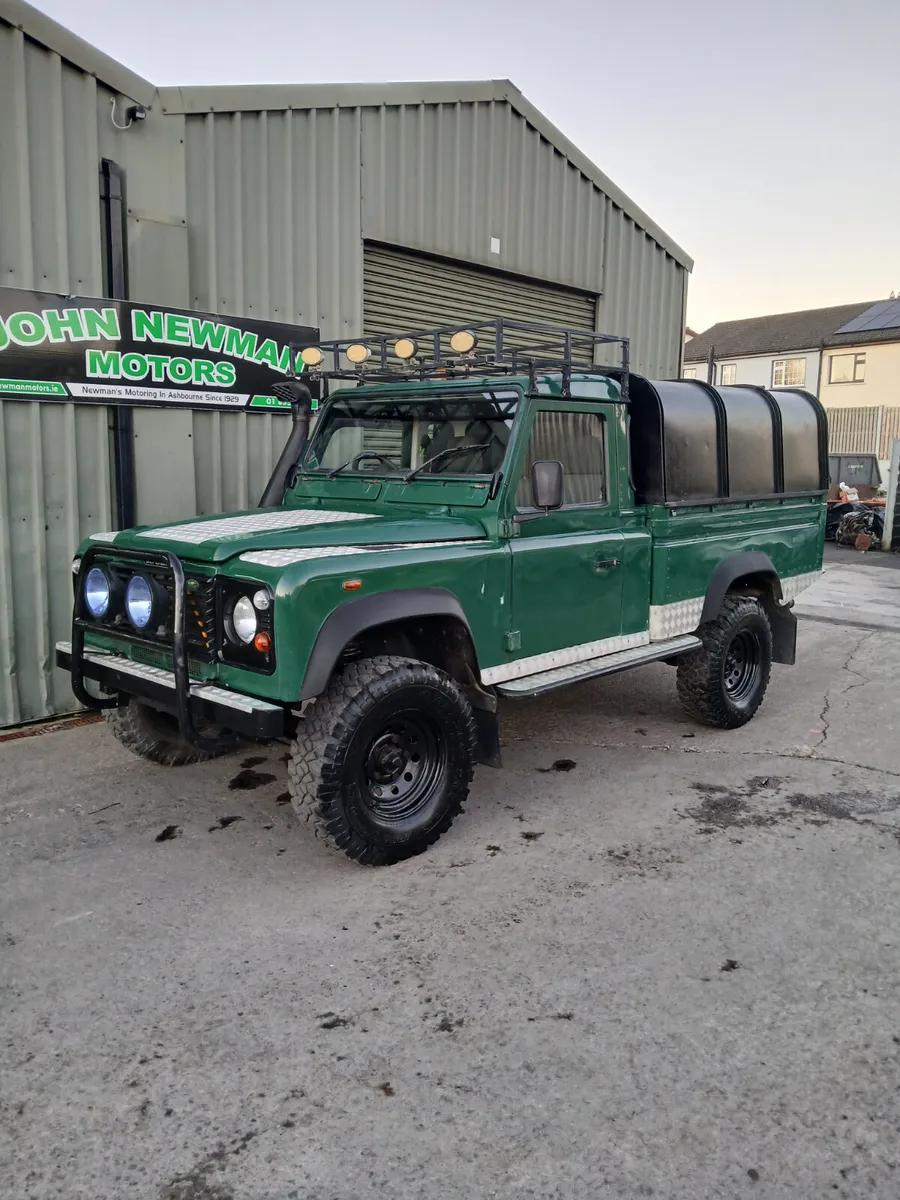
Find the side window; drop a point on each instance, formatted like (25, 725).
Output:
(578, 441)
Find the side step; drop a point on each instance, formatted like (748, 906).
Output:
(546, 681)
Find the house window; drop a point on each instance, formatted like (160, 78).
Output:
(789, 372)
(727, 373)
(690, 372)
(847, 368)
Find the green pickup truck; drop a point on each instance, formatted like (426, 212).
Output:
(477, 513)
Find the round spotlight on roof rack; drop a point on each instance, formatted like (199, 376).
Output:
(358, 354)
(463, 341)
(406, 348)
(312, 356)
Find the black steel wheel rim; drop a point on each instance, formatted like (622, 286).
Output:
(743, 666)
(402, 767)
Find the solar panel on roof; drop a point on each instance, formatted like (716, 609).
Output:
(883, 315)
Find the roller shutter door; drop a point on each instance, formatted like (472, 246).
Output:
(403, 292)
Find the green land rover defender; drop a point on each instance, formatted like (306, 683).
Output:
(477, 513)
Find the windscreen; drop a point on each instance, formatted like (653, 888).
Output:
(461, 434)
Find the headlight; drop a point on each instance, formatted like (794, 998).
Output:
(139, 601)
(97, 592)
(243, 619)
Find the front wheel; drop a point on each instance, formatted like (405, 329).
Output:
(382, 762)
(155, 736)
(723, 683)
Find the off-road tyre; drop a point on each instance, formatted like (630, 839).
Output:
(155, 736)
(354, 741)
(723, 684)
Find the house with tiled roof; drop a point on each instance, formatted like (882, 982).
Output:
(847, 354)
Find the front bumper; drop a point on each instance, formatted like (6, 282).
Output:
(162, 689)
(245, 715)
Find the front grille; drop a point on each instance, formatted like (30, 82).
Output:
(199, 614)
(160, 658)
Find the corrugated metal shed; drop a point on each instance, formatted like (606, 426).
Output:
(54, 489)
(441, 169)
(264, 201)
(54, 459)
(403, 290)
(54, 128)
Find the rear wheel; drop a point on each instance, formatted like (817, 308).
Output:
(382, 762)
(155, 735)
(723, 683)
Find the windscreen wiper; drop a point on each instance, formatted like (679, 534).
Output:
(357, 458)
(434, 458)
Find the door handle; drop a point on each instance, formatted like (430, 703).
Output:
(606, 564)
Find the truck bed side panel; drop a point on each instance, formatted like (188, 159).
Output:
(689, 543)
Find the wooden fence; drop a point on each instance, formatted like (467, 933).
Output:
(869, 430)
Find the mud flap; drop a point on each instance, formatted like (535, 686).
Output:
(784, 634)
(488, 737)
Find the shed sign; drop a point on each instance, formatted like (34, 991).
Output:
(116, 352)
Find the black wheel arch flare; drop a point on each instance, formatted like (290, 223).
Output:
(355, 617)
(753, 566)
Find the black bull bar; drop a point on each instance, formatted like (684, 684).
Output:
(267, 722)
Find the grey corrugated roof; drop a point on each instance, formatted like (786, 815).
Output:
(778, 332)
(273, 97)
(76, 50)
(262, 97)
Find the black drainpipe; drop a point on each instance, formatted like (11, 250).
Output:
(115, 236)
(821, 368)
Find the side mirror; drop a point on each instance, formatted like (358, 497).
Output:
(547, 484)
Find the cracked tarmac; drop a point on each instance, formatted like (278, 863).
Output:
(669, 968)
(846, 668)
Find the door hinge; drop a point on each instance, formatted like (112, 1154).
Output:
(513, 641)
(507, 528)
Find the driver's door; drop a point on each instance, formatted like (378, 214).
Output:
(566, 565)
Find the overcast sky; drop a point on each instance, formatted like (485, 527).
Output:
(762, 135)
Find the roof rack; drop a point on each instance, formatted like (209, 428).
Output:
(487, 347)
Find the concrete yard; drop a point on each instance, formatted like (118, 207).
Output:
(651, 960)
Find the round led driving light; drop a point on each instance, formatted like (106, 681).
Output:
(139, 601)
(97, 592)
(463, 341)
(312, 356)
(261, 600)
(358, 353)
(243, 620)
(406, 348)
